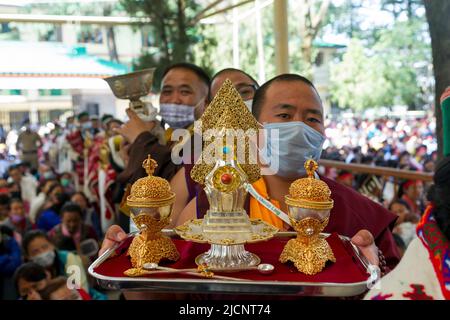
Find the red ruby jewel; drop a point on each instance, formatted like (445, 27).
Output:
(226, 178)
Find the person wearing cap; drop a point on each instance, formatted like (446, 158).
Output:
(346, 178)
(424, 271)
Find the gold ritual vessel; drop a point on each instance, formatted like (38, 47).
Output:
(133, 86)
(309, 203)
(150, 202)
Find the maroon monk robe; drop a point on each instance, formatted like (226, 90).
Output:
(351, 213)
(147, 144)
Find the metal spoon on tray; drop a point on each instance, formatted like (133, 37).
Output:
(199, 272)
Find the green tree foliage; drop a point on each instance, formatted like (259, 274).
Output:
(358, 81)
(398, 57)
(173, 30)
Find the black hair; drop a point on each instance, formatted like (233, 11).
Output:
(15, 200)
(14, 167)
(30, 236)
(106, 116)
(201, 74)
(260, 94)
(71, 207)
(5, 200)
(400, 201)
(53, 187)
(113, 120)
(441, 197)
(399, 241)
(82, 114)
(81, 193)
(230, 70)
(53, 285)
(29, 271)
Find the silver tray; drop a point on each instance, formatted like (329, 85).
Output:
(252, 287)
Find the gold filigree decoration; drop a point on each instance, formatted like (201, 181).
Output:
(310, 193)
(151, 250)
(232, 174)
(309, 251)
(150, 191)
(150, 225)
(308, 226)
(228, 112)
(204, 270)
(308, 257)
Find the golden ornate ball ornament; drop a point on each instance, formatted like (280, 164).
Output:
(309, 203)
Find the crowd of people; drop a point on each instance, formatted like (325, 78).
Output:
(65, 197)
(406, 144)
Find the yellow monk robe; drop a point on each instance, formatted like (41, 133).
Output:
(258, 211)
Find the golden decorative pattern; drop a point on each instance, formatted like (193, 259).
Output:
(235, 179)
(204, 270)
(228, 112)
(150, 191)
(150, 246)
(143, 250)
(308, 257)
(192, 231)
(309, 192)
(149, 224)
(308, 226)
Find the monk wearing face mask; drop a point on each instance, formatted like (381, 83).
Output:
(184, 87)
(290, 106)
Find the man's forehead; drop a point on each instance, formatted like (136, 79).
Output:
(292, 93)
(234, 76)
(180, 77)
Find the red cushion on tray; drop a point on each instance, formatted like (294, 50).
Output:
(346, 269)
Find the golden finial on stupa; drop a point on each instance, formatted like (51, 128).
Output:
(227, 114)
(149, 165)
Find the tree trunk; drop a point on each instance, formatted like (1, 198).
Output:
(182, 45)
(112, 47)
(110, 37)
(310, 23)
(438, 13)
(307, 52)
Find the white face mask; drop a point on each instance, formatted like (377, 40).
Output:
(249, 104)
(177, 115)
(45, 259)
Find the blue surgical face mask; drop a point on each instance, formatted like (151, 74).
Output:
(86, 125)
(177, 115)
(296, 143)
